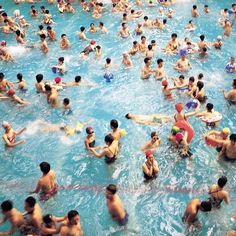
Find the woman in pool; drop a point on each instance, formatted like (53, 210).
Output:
(231, 95)
(90, 139)
(154, 119)
(150, 167)
(153, 143)
(110, 151)
(11, 95)
(46, 184)
(9, 137)
(198, 92)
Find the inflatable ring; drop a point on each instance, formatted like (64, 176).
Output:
(108, 77)
(187, 127)
(217, 117)
(193, 103)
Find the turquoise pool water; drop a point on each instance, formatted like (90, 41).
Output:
(155, 208)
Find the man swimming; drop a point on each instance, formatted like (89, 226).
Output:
(153, 143)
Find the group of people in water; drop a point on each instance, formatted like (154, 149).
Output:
(32, 222)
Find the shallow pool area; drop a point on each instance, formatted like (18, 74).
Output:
(155, 208)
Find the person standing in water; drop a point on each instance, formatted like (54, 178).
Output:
(46, 183)
(154, 142)
(115, 205)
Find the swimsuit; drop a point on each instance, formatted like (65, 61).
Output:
(112, 159)
(92, 144)
(157, 120)
(147, 177)
(124, 221)
(230, 68)
(46, 196)
(215, 201)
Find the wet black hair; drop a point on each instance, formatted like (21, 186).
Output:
(194, 7)
(109, 139)
(204, 49)
(174, 35)
(111, 188)
(145, 18)
(49, 27)
(135, 42)
(101, 23)
(200, 76)
(31, 201)
(127, 116)
(164, 21)
(48, 88)
(123, 24)
(63, 35)
(153, 41)
(146, 60)
(114, 124)
(159, 61)
(71, 214)
(234, 82)
(77, 78)
(202, 37)
(149, 47)
(205, 5)
(190, 21)
(132, 11)
(98, 47)
(45, 167)
(42, 7)
(91, 24)
(39, 78)
(1, 75)
(61, 59)
(200, 85)
(209, 106)
(181, 77)
(124, 15)
(153, 133)
(47, 11)
(66, 101)
(43, 36)
(40, 27)
(18, 32)
(191, 79)
(19, 76)
(6, 206)
(82, 28)
(108, 60)
(47, 219)
(232, 137)
(222, 181)
(206, 206)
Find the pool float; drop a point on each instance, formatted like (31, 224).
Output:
(77, 130)
(183, 51)
(55, 69)
(213, 119)
(187, 127)
(230, 68)
(182, 89)
(108, 77)
(193, 103)
(210, 142)
(123, 132)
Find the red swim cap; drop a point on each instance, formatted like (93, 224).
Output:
(164, 83)
(11, 92)
(179, 107)
(92, 42)
(179, 136)
(3, 43)
(148, 153)
(57, 80)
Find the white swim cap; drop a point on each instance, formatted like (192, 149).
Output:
(5, 124)
(17, 13)
(219, 37)
(170, 10)
(161, 8)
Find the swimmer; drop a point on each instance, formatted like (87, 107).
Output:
(173, 45)
(190, 214)
(102, 28)
(52, 95)
(43, 44)
(191, 85)
(60, 65)
(4, 84)
(90, 141)
(92, 28)
(33, 220)
(110, 151)
(71, 226)
(231, 66)
(115, 205)
(146, 70)
(116, 133)
(77, 82)
(124, 32)
(218, 43)
(89, 48)
(218, 194)
(167, 90)
(190, 26)
(202, 44)
(138, 29)
(69, 8)
(39, 85)
(19, 38)
(147, 23)
(11, 95)
(98, 52)
(183, 64)
(21, 82)
(134, 15)
(170, 13)
(127, 61)
(206, 9)
(66, 106)
(47, 18)
(6, 29)
(46, 184)
(41, 31)
(12, 215)
(194, 11)
(51, 33)
(228, 152)
(23, 22)
(4, 54)
(227, 28)
(143, 44)
(155, 119)
(9, 137)
(64, 42)
(153, 143)
(150, 167)
(61, 6)
(135, 48)
(231, 95)
(81, 34)
(180, 83)
(198, 92)
(149, 52)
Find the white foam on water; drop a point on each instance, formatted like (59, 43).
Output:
(18, 51)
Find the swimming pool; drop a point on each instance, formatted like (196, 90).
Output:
(155, 208)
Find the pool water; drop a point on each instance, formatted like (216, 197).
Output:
(155, 208)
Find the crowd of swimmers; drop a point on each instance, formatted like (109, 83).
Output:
(32, 222)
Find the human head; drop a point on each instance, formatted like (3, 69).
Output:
(234, 83)
(194, 7)
(200, 85)
(77, 78)
(30, 203)
(160, 61)
(48, 88)
(61, 59)
(6, 125)
(42, 36)
(6, 206)
(209, 107)
(66, 101)
(145, 18)
(232, 60)
(202, 37)
(73, 217)
(123, 25)
(1, 76)
(47, 219)
(19, 76)
(154, 136)
(49, 28)
(179, 107)
(44, 167)
(191, 79)
(149, 47)
(147, 61)
(82, 28)
(174, 36)
(108, 139)
(175, 130)
(101, 24)
(225, 132)
(41, 27)
(57, 80)
(205, 206)
(18, 33)
(89, 130)
(39, 78)
(222, 181)
(114, 124)
(127, 116)
(108, 60)
(63, 36)
(200, 76)
(164, 83)
(111, 190)
(232, 138)
(179, 137)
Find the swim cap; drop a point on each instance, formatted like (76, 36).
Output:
(3, 43)
(219, 37)
(92, 42)
(170, 10)
(161, 8)
(179, 107)
(164, 83)
(89, 130)
(179, 136)
(139, 24)
(5, 124)
(148, 153)
(11, 92)
(175, 130)
(57, 80)
(21, 17)
(226, 130)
